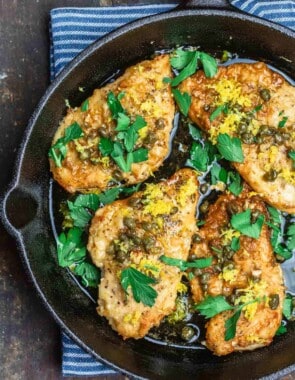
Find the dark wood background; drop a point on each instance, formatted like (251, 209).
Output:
(29, 338)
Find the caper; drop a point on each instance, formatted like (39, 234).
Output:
(192, 257)
(206, 107)
(205, 287)
(259, 139)
(229, 264)
(147, 226)
(204, 206)
(187, 333)
(286, 136)
(232, 208)
(270, 176)
(121, 255)
(242, 127)
(174, 210)
(160, 123)
(149, 242)
(254, 215)
(111, 249)
(134, 202)
(217, 268)
(103, 131)
(123, 237)
(265, 94)
(278, 138)
(266, 130)
(203, 188)
(228, 252)
(274, 301)
(117, 175)
(196, 238)
(247, 138)
(151, 138)
(136, 239)
(197, 272)
(232, 298)
(204, 278)
(129, 222)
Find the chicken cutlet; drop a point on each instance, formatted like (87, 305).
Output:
(135, 233)
(256, 104)
(243, 270)
(141, 93)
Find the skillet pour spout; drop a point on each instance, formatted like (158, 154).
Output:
(214, 26)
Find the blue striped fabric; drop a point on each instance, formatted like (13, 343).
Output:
(280, 11)
(72, 30)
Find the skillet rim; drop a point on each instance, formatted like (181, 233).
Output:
(174, 13)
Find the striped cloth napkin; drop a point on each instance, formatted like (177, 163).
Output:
(72, 30)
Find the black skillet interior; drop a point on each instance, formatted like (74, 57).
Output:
(211, 29)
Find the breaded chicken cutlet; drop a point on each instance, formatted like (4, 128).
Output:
(135, 233)
(256, 104)
(91, 161)
(243, 272)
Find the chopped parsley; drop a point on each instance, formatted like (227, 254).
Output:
(235, 186)
(287, 307)
(235, 244)
(201, 155)
(183, 101)
(189, 62)
(218, 111)
(283, 122)
(242, 223)
(71, 253)
(230, 148)
(85, 105)
(122, 150)
(212, 306)
(184, 265)
(218, 174)
(140, 286)
(58, 151)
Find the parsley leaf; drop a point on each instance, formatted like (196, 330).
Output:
(183, 101)
(89, 274)
(187, 62)
(209, 64)
(181, 58)
(291, 237)
(292, 156)
(287, 307)
(58, 151)
(242, 223)
(140, 155)
(194, 132)
(212, 306)
(281, 330)
(70, 249)
(283, 122)
(218, 173)
(80, 215)
(235, 186)
(90, 201)
(198, 157)
(187, 71)
(235, 244)
(220, 109)
(184, 265)
(109, 195)
(105, 146)
(140, 286)
(123, 122)
(85, 105)
(231, 325)
(114, 105)
(230, 147)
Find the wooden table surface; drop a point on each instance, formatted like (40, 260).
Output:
(30, 340)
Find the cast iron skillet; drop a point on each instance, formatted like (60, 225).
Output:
(26, 205)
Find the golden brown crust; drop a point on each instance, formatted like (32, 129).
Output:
(251, 272)
(145, 95)
(240, 86)
(165, 213)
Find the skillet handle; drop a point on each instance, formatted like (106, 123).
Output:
(206, 4)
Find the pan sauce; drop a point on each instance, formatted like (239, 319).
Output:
(179, 152)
